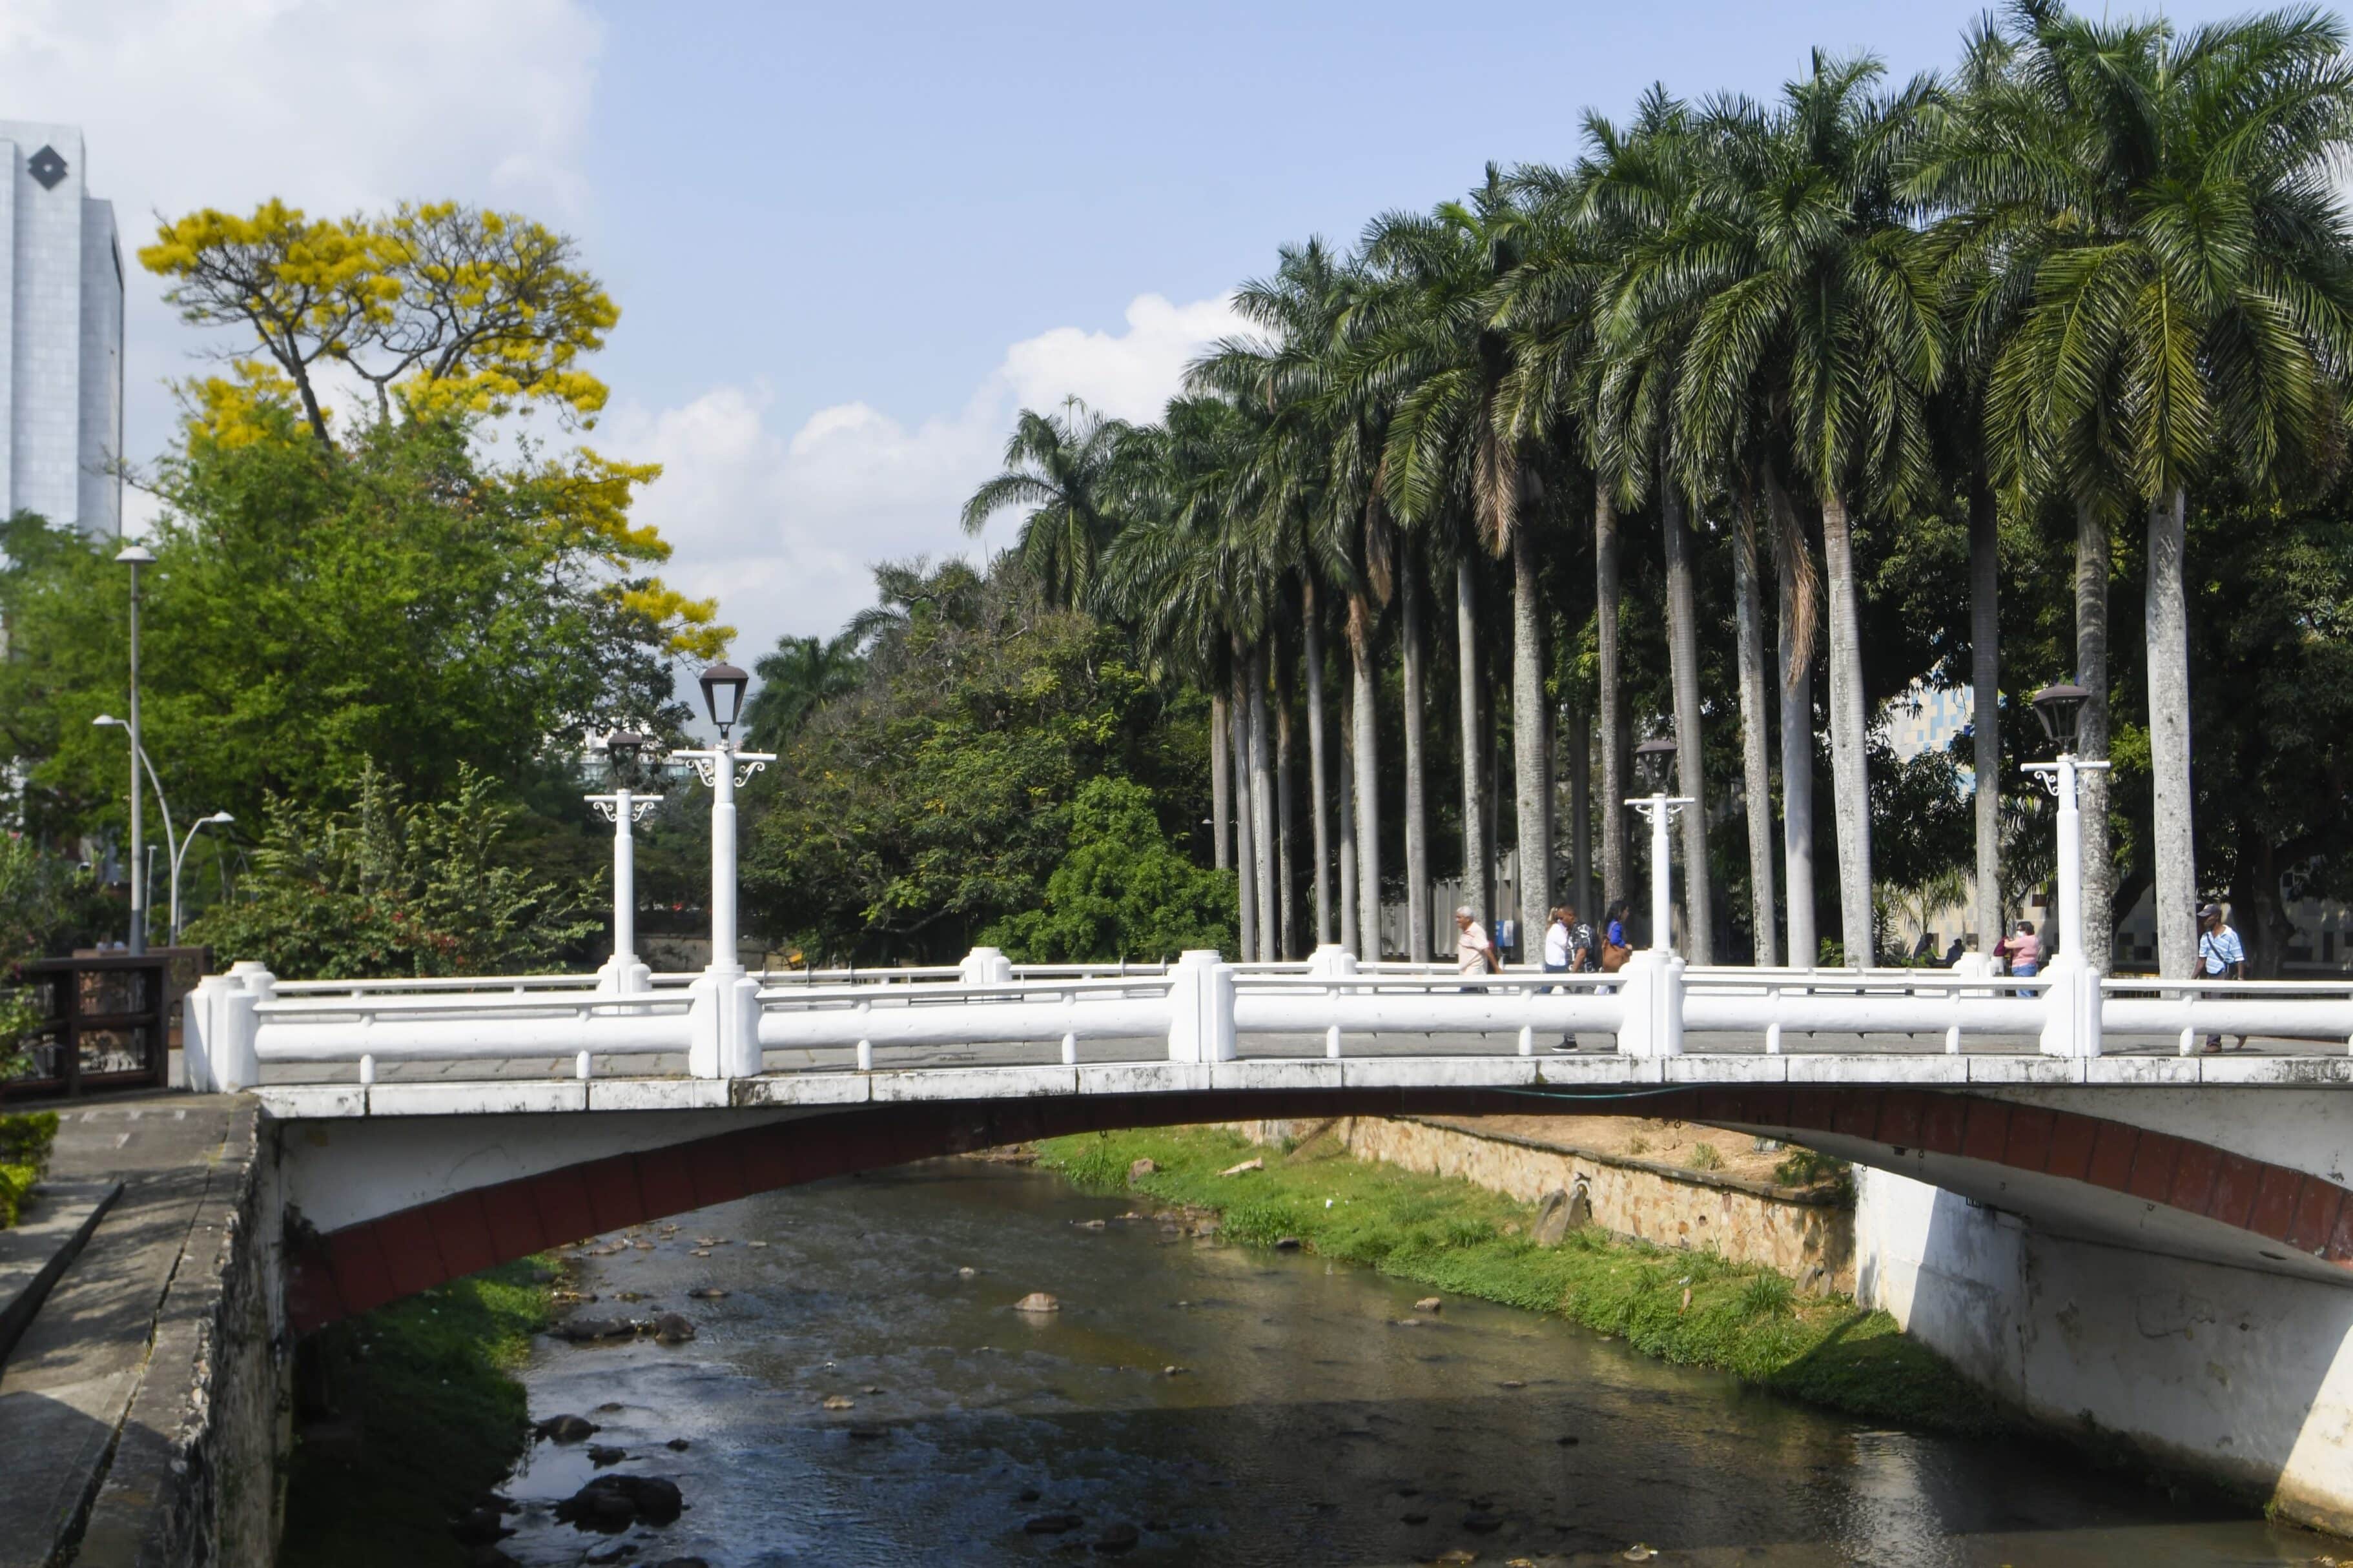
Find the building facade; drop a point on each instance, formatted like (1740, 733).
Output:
(61, 351)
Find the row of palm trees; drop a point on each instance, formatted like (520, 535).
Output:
(2099, 265)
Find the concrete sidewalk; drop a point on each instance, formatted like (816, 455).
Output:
(68, 1386)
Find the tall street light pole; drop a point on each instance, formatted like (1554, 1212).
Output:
(729, 1045)
(136, 556)
(624, 809)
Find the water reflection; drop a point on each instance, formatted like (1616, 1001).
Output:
(1224, 1406)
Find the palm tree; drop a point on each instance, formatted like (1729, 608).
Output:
(1446, 358)
(801, 676)
(1641, 188)
(2190, 313)
(1066, 470)
(1820, 291)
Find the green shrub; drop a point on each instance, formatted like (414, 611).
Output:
(1704, 1157)
(25, 1140)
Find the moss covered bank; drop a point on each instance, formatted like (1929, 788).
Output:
(1690, 1307)
(427, 1415)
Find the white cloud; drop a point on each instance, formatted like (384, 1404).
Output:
(783, 530)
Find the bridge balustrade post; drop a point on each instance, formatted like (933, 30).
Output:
(220, 1026)
(722, 1022)
(1331, 958)
(985, 966)
(1201, 1007)
(2071, 1024)
(1652, 986)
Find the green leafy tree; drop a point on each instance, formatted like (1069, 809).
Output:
(1122, 889)
(389, 885)
(798, 678)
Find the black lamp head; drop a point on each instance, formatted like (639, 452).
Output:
(622, 748)
(2060, 708)
(723, 694)
(1650, 759)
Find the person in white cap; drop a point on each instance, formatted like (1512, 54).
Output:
(1475, 951)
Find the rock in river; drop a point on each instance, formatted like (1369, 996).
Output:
(613, 1503)
(1429, 1304)
(1118, 1537)
(602, 1454)
(673, 1328)
(582, 1330)
(1038, 1302)
(1053, 1523)
(566, 1428)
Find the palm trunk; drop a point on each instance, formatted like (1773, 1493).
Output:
(1475, 804)
(1755, 749)
(1221, 815)
(1985, 703)
(1286, 827)
(1417, 777)
(1531, 745)
(1350, 932)
(1369, 779)
(2094, 552)
(2172, 845)
(1612, 696)
(1796, 671)
(1691, 773)
(1580, 728)
(1318, 772)
(1262, 805)
(1850, 770)
(1245, 842)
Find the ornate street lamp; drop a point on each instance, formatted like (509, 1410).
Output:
(1653, 759)
(624, 808)
(2060, 709)
(2075, 990)
(723, 694)
(731, 1047)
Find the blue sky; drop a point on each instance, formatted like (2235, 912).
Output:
(849, 240)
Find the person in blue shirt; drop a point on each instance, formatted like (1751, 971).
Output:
(2220, 956)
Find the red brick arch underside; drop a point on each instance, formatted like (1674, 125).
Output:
(363, 1266)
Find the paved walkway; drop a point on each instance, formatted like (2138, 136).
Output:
(66, 1389)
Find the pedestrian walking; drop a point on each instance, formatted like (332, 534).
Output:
(1562, 953)
(2220, 956)
(1474, 950)
(2023, 951)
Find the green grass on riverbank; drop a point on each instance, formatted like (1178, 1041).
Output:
(1447, 1234)
(431, 1417)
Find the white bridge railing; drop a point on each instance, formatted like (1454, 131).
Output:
(1199, 1008)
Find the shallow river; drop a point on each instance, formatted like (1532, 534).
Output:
(1317, 1418)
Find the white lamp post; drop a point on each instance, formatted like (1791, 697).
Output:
(728, 1043)
(2075, 988)
(624, 809)
(1651, 758)
(136, 556)
(218, 819)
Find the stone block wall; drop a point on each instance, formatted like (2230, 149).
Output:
(1810, 1238)
(197, 1473)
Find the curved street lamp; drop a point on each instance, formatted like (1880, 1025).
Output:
(218, 819)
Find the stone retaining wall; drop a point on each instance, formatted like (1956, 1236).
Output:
(1808, 1237)
(196, 1473)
